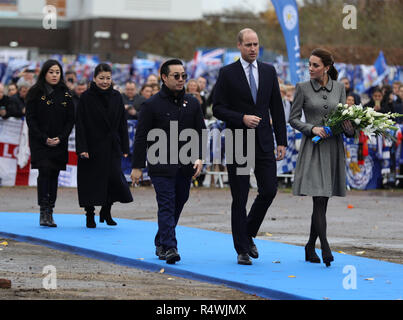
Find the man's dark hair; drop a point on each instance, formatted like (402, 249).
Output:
(82, 82)
(130, 82)
(165, 66)
(69, 72)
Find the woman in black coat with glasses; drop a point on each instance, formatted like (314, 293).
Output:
(50, 119)
(101, 140)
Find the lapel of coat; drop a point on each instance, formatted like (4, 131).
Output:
(244, 81)
(262, 82)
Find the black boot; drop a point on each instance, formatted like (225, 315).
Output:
(90, 214)
(105, 215)
(319, 218)
(43, 217)
(43, 197)
(51, 223)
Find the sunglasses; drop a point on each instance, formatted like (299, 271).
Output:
(177, 76)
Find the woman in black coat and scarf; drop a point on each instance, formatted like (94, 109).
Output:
(50, 119)
(101, 140)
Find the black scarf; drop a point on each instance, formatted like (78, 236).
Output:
(103, 94)
(49, 88)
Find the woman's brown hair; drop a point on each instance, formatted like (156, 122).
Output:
(327, 60)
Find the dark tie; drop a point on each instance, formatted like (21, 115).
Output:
(252, 83)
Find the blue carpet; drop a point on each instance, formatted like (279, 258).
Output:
(279, 273)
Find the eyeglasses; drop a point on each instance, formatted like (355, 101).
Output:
(177, 76)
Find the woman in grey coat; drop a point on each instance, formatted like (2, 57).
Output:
(320, 170)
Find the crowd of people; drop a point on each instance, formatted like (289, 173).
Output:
(13, 95)
(384, 98)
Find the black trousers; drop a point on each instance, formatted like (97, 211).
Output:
(47, 184)
(246, 225)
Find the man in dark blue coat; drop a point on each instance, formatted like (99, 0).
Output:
(247, 96)
(171, 117)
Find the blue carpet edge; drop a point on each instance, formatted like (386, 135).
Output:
(136, 263)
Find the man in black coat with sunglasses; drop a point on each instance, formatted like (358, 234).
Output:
(160, 140)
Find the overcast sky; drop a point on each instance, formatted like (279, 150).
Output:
(211, 6)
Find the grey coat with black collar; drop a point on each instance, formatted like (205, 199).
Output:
(321, 168)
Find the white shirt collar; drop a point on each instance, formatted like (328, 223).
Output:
(246, 64)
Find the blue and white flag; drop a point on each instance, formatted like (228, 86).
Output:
(287, 14)
(89, 59)
(381, 68)
(14, 67)
(374, 75)
(206, 60)
(144, 67)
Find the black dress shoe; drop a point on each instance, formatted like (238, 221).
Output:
(160, 252)
(253, 253)
(243, 258)
(172, 256)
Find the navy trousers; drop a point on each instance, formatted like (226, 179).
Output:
(245, 226)
(172, 194)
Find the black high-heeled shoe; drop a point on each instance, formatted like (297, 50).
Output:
(105, 215)
(327, 260)
(310, 255)
(327, 256)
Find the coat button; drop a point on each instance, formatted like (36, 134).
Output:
(325, 97)
(325, 106)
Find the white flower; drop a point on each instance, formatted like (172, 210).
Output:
(369, 111)
(357, 121)
(344, 112)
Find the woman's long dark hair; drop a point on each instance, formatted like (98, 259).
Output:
(327, 60)
(39, 87)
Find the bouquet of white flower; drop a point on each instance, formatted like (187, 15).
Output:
(366, 119)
